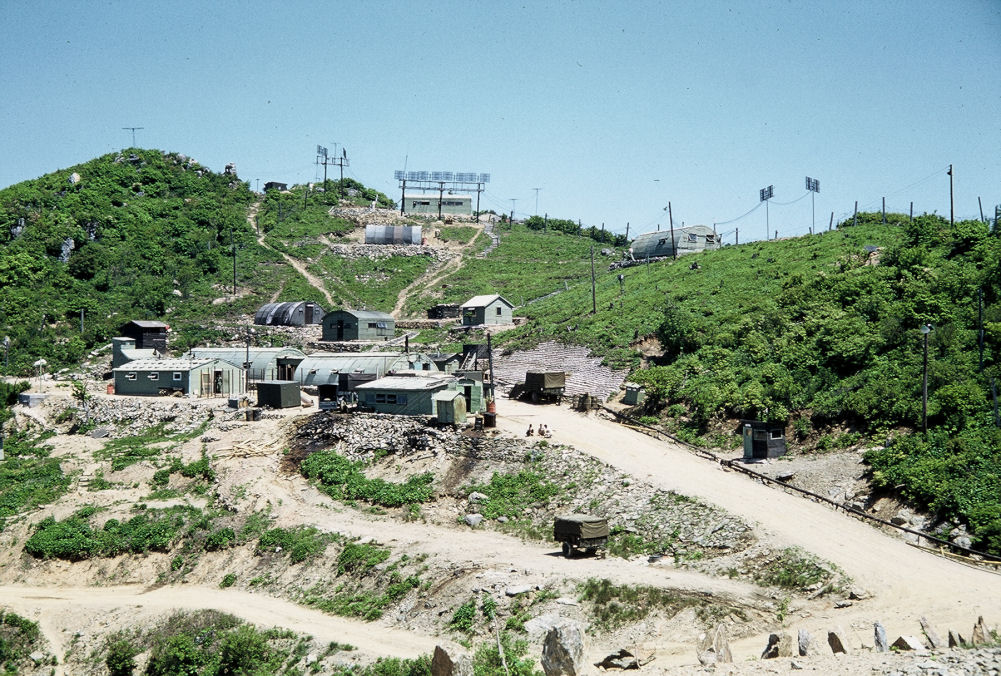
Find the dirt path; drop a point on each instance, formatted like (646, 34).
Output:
(433, 276)
(55, 605)
(906, 582)
(314, 281)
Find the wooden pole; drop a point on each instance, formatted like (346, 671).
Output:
(736, 236)
(884, 210)
(855, 216)
(674, 246)
(627, 232)
(952, 212)
(981, 209)
(910, 218)
(830, 223)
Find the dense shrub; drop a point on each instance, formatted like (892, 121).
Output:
(343, 479)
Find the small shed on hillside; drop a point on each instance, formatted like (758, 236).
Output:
(488, 309)
(340, 325)
(447, 362)
(449, 407)
(275, 185)
(193, 377)
(149, 335)
(265, 363)
(763, 439)
(659, 244)
(292, 313)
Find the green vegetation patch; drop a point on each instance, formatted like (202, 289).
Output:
(28, 478)
(300, 543)
(511, 494)
(207, 643)
(463, 234)
(364, 282)
(19, 637)
(343, 479)
(153, 444)
(613, 606)
(795, 569)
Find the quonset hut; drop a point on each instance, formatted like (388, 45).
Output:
(295, 313)
(659, 244)
(393, 234)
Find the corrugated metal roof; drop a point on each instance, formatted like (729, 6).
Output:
(322, 367)
(164, 364)
(413, 383)
(260, 357)
(365, 314)
(147, 324)
(483, 301)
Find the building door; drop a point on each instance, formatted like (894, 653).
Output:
(217, 382)
(340, 329)
(205, 386)
(468, 391)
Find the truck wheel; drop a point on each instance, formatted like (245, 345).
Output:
(535, 397)
(567, 550)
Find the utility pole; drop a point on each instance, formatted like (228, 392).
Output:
(674, 245)
(536, 200)
(766, 194)
(980, 333)
(232, 242)
(925, 329)
(952, 212)
(133, 129)
(513, 200)
(341, 161)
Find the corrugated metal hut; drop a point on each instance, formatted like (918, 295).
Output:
(149, 335)
(124, 350)
(443, 311)
(278, 394)
(358, 325)
(410, 394)
(393, 234)
(347, 369)
(488, 309)
(763, 439)
(292, 313)
(266, 363)
(194, 377)
(689, 239)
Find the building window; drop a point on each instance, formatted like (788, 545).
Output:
(390, 398)
(401, 399)
(131, 375)
(692, 237)
(153, 376)
(380, 398)
(177, 375)
(710, 239)
(775, 434)
(498, 311)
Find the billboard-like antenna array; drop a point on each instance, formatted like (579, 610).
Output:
(457, 181)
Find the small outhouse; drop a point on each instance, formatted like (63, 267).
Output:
(762, 439)
(635, 394)
(450, 407)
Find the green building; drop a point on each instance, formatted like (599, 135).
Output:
(193, 377)
(340, 325)
(433, 204)
(487, 310)
(419, 393)
(261, 363)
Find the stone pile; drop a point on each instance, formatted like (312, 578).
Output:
(586, 372)
(379, 251)
(129, 416)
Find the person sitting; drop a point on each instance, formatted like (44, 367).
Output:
(530, 432)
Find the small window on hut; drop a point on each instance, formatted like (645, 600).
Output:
(775, 434)
(759, 435)
(153, 376)
(380, 398)
(177, 375)
(692, 237)
(390, 398)
(131, 375)
(498, 311)
(710, 239)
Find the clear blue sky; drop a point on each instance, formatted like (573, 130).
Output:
(611, 108)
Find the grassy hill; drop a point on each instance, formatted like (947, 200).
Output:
(821, 332)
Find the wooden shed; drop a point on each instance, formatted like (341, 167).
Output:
(149, 335)
(450, 407)
(490, 309)
(340, 325)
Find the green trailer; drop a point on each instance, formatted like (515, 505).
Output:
(581, 531)
(541, 386)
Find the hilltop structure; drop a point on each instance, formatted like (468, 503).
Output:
(664, 243)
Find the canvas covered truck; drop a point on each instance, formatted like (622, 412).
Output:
(541, 386)
(581, 531)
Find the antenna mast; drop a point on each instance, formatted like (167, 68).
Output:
(133, 130)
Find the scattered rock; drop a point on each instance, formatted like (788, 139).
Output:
(804, 640)
(443, 664)
(934, 640)
(518, 589)
(478, 497)
(842, 604)
(907, 643)
(563, 650)
(979, 637)
(563, 601)
(836, 640)
(721, 645)
(779, 645)
(473, 520)
(879, 633)
(37, 657)
(795, 666)
(956, 639)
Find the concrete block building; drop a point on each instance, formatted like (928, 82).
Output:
(487, 310)
(340, 325)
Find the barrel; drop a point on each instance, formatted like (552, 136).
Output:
(491, 407)
(489, 419)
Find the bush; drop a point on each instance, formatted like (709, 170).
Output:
(300, 543)
(121, 659)
(343, 479)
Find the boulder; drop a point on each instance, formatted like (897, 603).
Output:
(907, 643)
(563, 650)
(935, 642)
(477, 497)
(721, 645)
(956, 639)
(879, 633)
(980, 634)
(473, 520)
(443, 664)
(803, 642)
(779, 645)
(836, 639)
(517, 590)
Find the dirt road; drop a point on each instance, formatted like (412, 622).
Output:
(906, 582)
(313, 280)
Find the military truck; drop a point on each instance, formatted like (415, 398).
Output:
(541, 386)
(581, 531)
